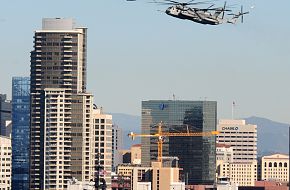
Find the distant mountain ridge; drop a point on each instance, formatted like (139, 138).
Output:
(273, 137)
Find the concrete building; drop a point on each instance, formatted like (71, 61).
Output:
(275, 168)
(136, 154)
(58, 81)
(243, 173)
(103, 144)
(164, 178)
(159, 177)
(241, 136)
(5, 116)
(5, 163)
(117, 146)
(196, 154)
(237, 152)
(20, 132)
(224, 156)
(136, 173)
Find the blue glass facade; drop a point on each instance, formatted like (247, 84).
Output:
(20, 132)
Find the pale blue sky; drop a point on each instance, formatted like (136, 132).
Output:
(136, 53)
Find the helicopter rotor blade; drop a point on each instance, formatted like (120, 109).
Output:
(172, 1)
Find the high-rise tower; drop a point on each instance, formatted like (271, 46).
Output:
(58, 80)
(196, 154)
(20, 132)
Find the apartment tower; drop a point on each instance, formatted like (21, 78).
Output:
(58, 82)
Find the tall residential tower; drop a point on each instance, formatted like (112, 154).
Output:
(58, 80)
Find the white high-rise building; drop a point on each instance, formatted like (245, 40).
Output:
(237, 152)
(241, 136)
(5, 163)
(103, 145)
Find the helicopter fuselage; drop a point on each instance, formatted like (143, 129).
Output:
(195, 15)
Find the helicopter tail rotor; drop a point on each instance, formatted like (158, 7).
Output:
(224, 8)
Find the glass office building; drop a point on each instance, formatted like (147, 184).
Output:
(196, 154)
(20, 132)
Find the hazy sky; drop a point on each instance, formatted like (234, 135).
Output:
(136, 53)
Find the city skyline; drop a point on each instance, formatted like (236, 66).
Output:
(246, 63)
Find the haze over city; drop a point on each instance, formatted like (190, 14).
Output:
(137, 53)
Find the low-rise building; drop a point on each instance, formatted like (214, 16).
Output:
(275, 168)
(136, 154)
(159, 177)
(5, 163)
(240, 173)
(243, 173)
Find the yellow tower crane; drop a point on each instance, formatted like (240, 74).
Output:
(160, 135)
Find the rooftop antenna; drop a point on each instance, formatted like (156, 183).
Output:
(174, 97)
(233, 109)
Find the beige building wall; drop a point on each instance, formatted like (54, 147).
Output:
(136, 154)
(224, 156)
(57, 141)
(5, 163)
(275, 168)
(82, 137)
(240, 173)
(163, 177)
(243, 173)
(241, 136)
(103, 143)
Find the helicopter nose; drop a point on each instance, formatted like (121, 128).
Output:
(167, 11)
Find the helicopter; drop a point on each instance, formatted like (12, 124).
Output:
(207, 16)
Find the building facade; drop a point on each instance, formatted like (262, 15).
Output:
(5, 116)
(103, 145)
(241, 136)
(237, 161)
(58, 75)
(20, 132)
(136, 154)
(117, 146)
(196, 154)
(275, 168)
(224, 156)
(5, 163)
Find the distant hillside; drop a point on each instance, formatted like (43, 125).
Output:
(128, 123)
(273, 137)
